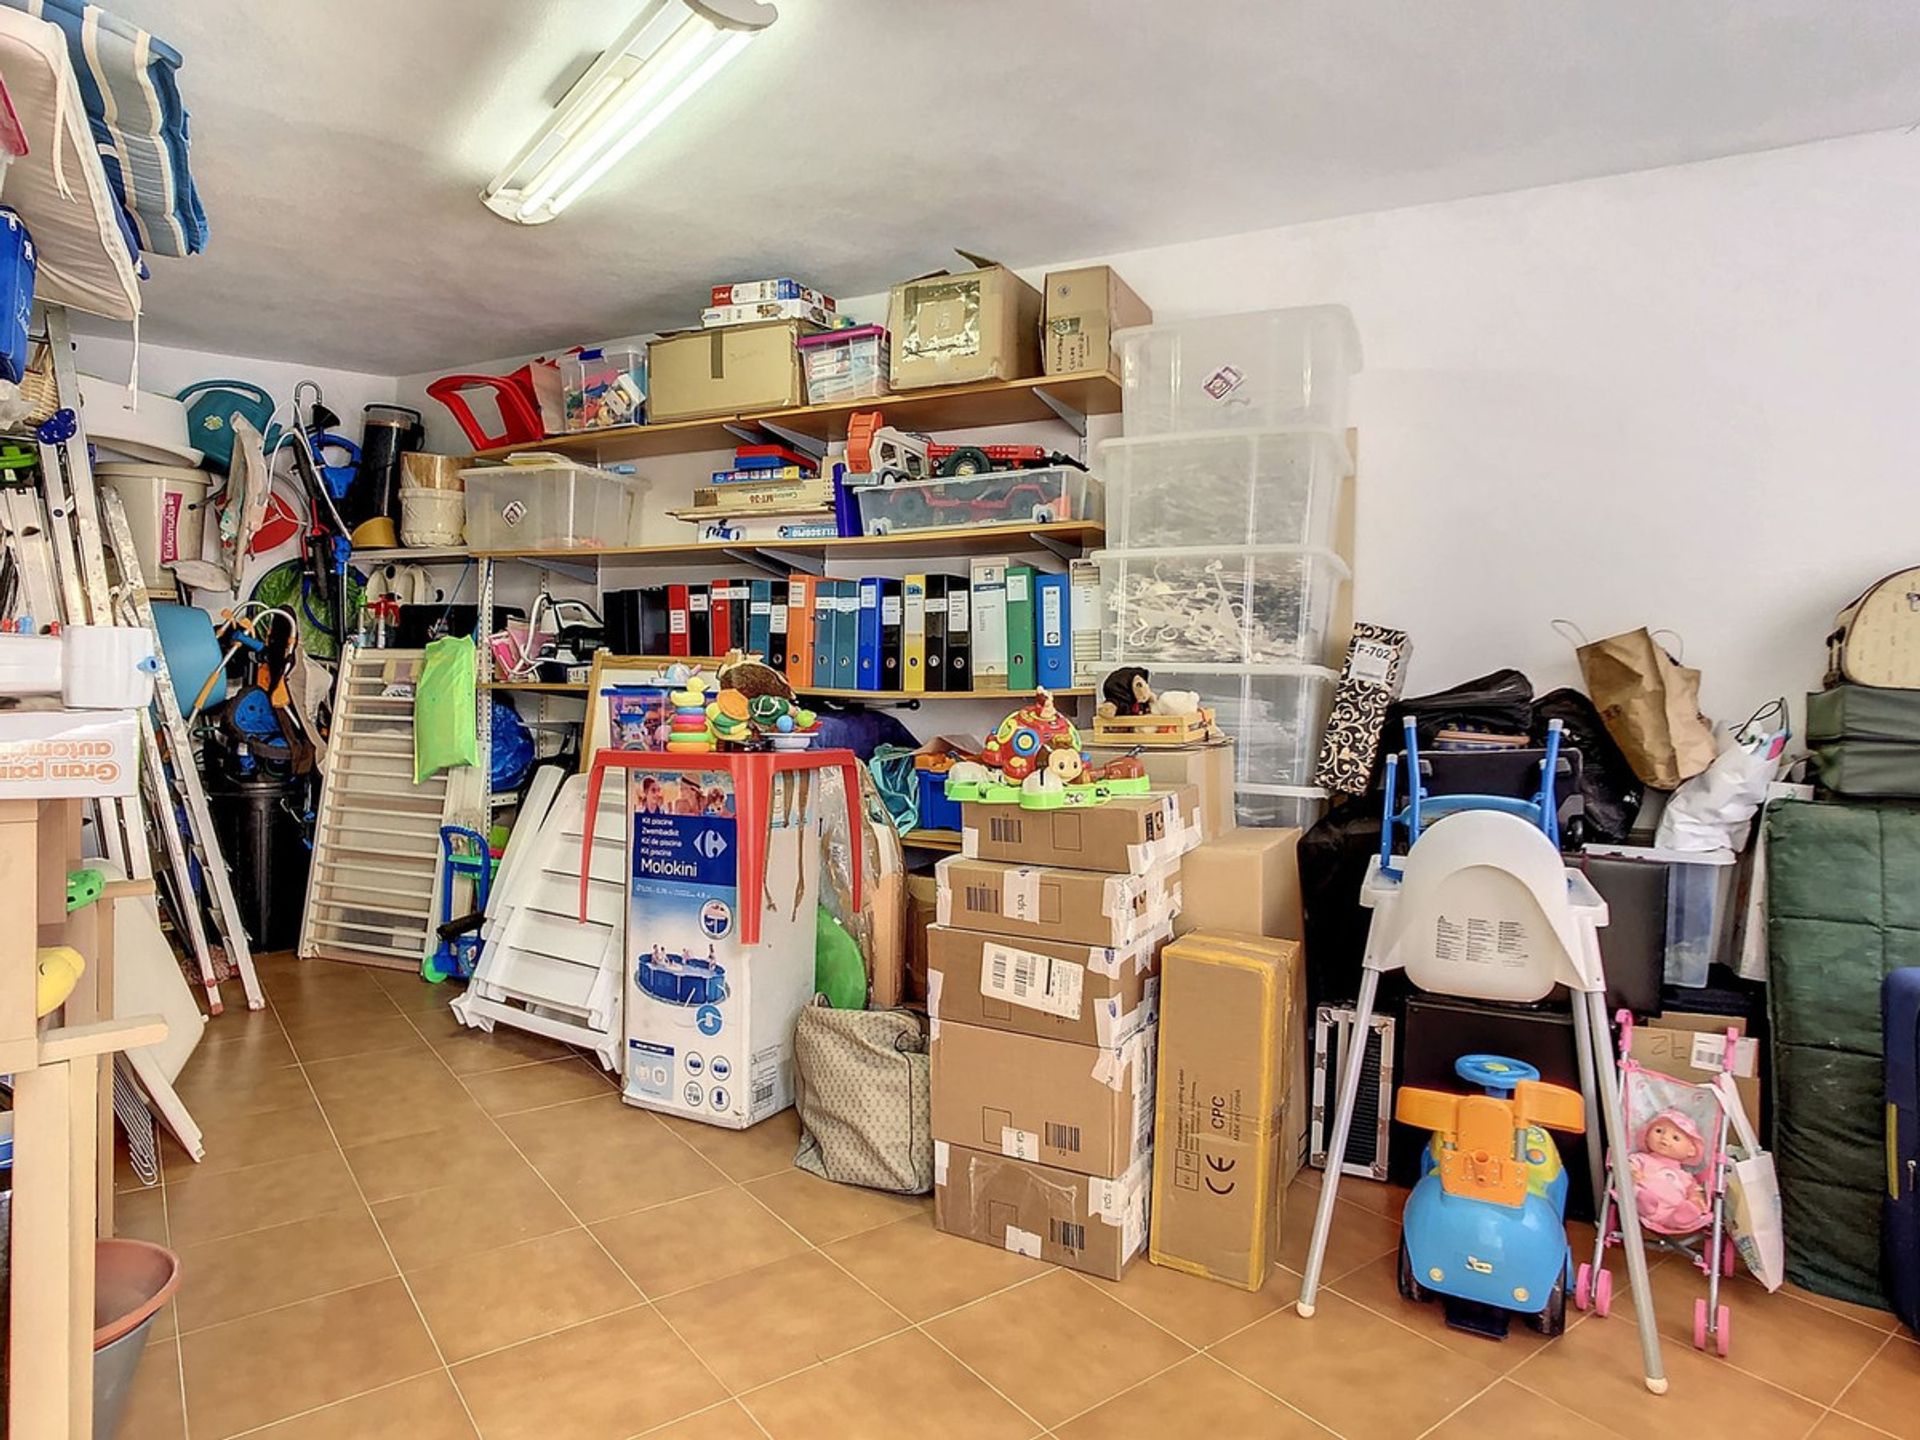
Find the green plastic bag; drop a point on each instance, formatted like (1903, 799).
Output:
(445, 727)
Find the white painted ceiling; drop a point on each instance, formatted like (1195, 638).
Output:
(340, 145)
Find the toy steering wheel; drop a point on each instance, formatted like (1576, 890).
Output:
(1495, 1074)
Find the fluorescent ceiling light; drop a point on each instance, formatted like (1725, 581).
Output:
(669, 52)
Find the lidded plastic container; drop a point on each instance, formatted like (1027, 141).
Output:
(1254, 371)
(999, 497)
(1257, 605)
(548, 503)
(845, 364)
(604, 386)
(1275, 714)
(1225, 487)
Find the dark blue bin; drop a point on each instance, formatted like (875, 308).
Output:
(937, 812)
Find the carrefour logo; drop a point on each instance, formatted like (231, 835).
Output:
(711, 844)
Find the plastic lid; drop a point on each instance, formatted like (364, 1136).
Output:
(1324, 434)
(1333, 314)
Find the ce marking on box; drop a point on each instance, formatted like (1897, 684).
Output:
(1217, 1167)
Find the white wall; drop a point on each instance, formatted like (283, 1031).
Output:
(166, 370)
(1676, 398)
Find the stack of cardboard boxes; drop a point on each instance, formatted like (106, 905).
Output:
(1042, 992)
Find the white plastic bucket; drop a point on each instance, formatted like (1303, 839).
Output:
(432, 517)
(166, 511)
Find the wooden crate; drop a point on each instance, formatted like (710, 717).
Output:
(1164, 730)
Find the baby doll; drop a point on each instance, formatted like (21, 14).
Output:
(1670, 1196)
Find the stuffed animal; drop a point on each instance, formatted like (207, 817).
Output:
(1175, 702)
(1669, 1195)
(753, 679)
(1126, 692)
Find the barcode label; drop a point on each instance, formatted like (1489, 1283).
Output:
(762, 1094)
(1063, 1137)
(1004, 829)
(1066, 1234)
(1039, 982)
(983, 898)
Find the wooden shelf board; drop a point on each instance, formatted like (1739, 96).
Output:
(977, 540)
(536, 687)
(1012, 697)
(995, 402)
(932, 840)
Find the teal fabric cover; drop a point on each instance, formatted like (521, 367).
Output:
(1843, 903)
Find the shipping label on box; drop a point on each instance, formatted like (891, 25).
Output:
(1370, 681)
(1087, 1223)
(1084, 907)
(1085, 994)
(1226, 1005)
(1128, 834)
(1085, 1108)
(68, 754)
(709, 1020)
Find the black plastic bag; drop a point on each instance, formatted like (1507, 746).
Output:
(1612, 791)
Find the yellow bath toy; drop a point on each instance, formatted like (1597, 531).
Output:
(60, 967)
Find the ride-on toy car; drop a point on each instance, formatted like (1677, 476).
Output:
(1485, 1228)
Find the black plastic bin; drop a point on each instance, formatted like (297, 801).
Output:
(258, 823)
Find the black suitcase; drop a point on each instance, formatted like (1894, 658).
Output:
(1900, 1229)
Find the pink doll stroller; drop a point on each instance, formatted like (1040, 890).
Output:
(1679, 1161)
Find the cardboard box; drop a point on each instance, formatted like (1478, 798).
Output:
(1127, 835)
(923, 906)
(1036, 902)
(1689, 1047)
(1084, 1222)
(1370, 681)
(753, 292)
(1083, 994)
(1246, 880)
(1083, 309)
(1217, 1197)
(715, 316)
(1084, 1108)
(981, 324)
(725, 371)
(709, 1018)
(65, 754)
(1209, 767)
(885, 893)
(1296, 1048)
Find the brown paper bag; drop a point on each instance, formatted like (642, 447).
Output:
(1651, 705)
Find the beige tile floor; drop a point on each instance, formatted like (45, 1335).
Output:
(409, 1231)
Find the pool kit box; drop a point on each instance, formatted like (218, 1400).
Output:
(709, 1020)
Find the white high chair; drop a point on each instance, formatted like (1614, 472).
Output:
(1483, 907)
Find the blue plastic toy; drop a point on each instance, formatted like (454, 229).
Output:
(466, 857)
(1484, 1229)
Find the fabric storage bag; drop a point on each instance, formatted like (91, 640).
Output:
(862, 1090)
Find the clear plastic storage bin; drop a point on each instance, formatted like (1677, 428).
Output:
(1275, 714)
(1256, 605)
(1000, 497)
(1279, 806)
(553, 505)
(1225, 487)
(1242, 372)
(604, 386)
(845, 364)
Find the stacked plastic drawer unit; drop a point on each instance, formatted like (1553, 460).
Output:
(1223, 498)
